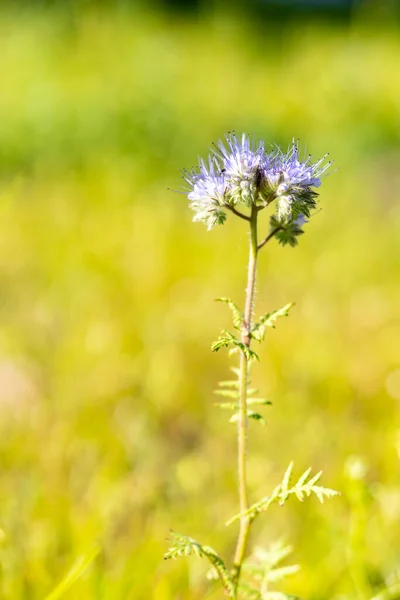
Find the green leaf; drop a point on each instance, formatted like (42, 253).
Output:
(259, 401)
(263, 568)
(228, 339)
(185, 546)
(303, 488)
(285, 482)
(229, 384)
(268, 320)
(287, 233)
(73, 574)
(251, 414)
(227, 405)
(224, 340)
(237, 315)
(227, 393)
(276, 575)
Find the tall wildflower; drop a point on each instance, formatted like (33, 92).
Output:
(243, 177)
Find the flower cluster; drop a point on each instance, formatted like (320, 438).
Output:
(240, 171)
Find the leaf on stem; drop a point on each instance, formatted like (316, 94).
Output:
(237, 315)
(303, 488)
(268, 320)
(230, 390)
(263, 569)
(287, 233)
(228, 339)
(251, 414)
(183, 545)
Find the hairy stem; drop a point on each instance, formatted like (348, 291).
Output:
(243, 537)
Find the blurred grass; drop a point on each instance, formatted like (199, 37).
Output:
(108, 431)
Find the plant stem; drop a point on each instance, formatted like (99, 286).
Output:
(242, 541)
(269, 237)
(236, 212)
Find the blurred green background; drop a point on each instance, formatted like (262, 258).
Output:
(109, 435)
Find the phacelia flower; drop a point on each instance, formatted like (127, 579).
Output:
(242, 163)
(208, 193)
(241, 171)
(292, 182)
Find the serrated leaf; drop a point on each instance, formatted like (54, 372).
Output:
(226, 393)
(228, 339)
(286, 478)
(258, 401)
(282, 492)
(184, 545)
(250, 415)
(268, 320)
(224, 340)
(275, 575)
(303, 478)
(277, 552)
(299, 494)
(229, 384)
(249, 593)
(314, 479)
(237, 315)
(261, 570)
(227, 405)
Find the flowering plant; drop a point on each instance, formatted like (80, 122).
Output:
(241, 175)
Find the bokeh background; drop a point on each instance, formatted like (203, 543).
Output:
(108, 433)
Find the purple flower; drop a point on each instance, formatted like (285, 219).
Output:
(292, 180)
(207, 193)
(241, 171)
(300, 221)
(242, 162)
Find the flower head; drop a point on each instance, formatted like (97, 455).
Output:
(242, 162)
(292, 181)
(241, 171)
(208, 193)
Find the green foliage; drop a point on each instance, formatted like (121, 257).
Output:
(230, 389)
(229, 340)
(186, 546)
(268, 320)
(262, 569)
(304, 487)
(236, 313)
(285, 233)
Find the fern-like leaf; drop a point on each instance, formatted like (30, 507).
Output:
(268, 320)
(236, 314)
(228, 339)
(229, 389)
(304, 487)
(183, 545)
(251, 414)
(263, 569)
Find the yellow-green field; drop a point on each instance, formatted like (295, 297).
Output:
(108, 433)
